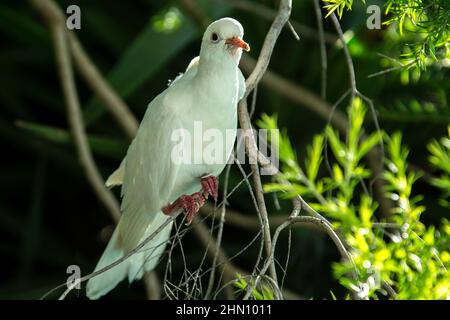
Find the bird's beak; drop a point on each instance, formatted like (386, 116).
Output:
(238, 42)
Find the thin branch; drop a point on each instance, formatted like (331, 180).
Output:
(152, 285)
(111, 100)
(375, 157)
(244, 120)
(251, 82)
(295, 219)
(219, 233)
(323, 51)
(53, 17)
(118, 261)
(351, 69)
(265, 54)
(247, 222)
(229, 268)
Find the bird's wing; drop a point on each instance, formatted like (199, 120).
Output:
(149, 172)
(116, 178)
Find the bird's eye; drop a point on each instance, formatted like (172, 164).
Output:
(214, 37)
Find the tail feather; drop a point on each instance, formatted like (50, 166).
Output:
(144, 260)
(106, 281)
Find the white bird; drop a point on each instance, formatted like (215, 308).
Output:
(153, 185)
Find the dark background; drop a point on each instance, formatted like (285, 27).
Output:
(49, 216)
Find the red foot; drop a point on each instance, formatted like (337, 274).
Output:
(210, 186)
(190, 204)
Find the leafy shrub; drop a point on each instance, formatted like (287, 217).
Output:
(399, 252)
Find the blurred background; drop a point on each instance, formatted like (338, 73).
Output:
(49, 216)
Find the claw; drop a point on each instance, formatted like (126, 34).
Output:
(192, 203)
(210, 186)
(189, 203)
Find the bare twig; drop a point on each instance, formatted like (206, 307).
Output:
(229, 268)
(323, 51)
(118, 261)
(152, 285)
(295, 219)
(53, 17)
(62, 37)
(375, 156)
(351, 69)
(247, 222)
(219, 234)
(112, 101)
(251, 82)
(278, 23)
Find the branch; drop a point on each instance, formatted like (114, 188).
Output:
(115, 105)
(118, 261)
(229, 268)
(219, 234)
(375, 157)
(152, 285)
(54, 18)
(112, 101)
(302, 220)
(246, 222)
(251, 82)
(323, 51)
(278, 23)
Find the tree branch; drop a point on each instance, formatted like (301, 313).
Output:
(111, 100)
(53, 17)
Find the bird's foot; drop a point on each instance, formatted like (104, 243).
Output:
(189, 203)
(210, 185)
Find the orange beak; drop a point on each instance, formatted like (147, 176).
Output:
(238, 42)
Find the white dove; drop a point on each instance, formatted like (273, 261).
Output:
(153, 184)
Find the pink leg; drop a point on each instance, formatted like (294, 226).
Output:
(210, 186)
(189, 203)
(192, 203)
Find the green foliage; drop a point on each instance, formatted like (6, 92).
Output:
(338, 6)
(423, 26)
(258, 294)
(440, 159)
(424, 22)
(402, 253)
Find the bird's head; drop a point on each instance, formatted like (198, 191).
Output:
(222, 41)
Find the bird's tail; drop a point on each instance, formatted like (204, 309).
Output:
(144, 260)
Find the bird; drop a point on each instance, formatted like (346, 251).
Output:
(153, 185)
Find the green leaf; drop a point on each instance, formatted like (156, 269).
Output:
(367, 145)
(339, 149)
(314, 157)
